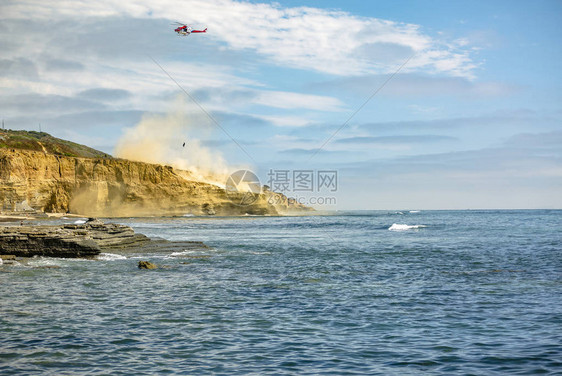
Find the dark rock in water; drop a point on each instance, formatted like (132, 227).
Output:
(70, 241)
(208, 209)
(146, 265)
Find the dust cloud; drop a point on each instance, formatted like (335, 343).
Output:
(160, 139)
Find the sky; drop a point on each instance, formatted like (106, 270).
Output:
(412, 105)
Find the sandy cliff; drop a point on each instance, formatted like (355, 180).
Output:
(109, 187)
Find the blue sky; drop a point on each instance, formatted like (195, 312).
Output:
(473, 120)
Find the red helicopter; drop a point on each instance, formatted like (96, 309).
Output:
(184, 30)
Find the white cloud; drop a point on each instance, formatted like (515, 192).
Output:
(233, 96)
(328, 41)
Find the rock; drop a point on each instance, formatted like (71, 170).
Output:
(7, 257)
(147, 265)
(51, 241)
(69, 241)
(112, 236)
(208, 209)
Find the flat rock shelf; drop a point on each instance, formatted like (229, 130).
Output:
(69, 240)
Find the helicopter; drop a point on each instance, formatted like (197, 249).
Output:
(184, 30)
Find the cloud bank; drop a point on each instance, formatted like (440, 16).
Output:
(327, 41)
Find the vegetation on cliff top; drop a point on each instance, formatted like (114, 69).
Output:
(41, 141)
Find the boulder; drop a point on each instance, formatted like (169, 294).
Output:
(147, 265)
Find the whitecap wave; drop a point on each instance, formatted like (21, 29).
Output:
(80, 221)
(38, 262)
(415, 211)
(191, 253)
(179, 254)
(110, 257)
(403, 227)
(186, 252)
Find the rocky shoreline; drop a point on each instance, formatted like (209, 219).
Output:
(72, 240)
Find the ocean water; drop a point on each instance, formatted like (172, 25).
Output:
(357, 293)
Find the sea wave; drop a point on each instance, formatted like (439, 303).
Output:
(40, 262)
(45, 261)
(182, 253)
(110, 257)
(403, 227)
(187, 252)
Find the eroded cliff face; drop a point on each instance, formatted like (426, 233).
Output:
(110, 188)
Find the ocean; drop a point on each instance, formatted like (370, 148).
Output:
(352, 293)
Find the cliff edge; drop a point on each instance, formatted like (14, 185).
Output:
(77, 179)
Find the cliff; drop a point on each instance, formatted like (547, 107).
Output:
(108, 187)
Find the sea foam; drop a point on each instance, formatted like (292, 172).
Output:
(185, 252)
(403, 227)
(38, 262)
(110, 257)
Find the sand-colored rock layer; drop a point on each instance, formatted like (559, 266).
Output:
(112, 188)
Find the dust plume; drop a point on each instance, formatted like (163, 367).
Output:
(160, 139)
